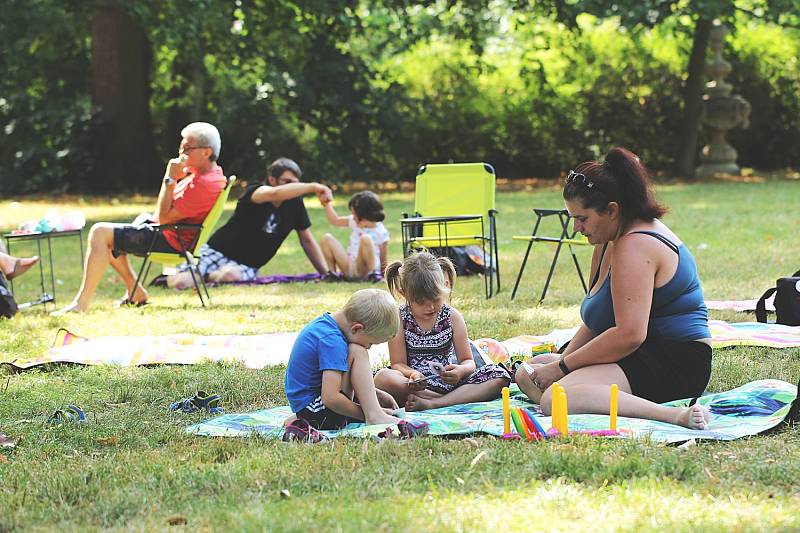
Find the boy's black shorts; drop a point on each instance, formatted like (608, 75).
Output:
(325, 418)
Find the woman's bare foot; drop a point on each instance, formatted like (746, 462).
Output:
(694, 417)
(415, 403)
(71, 308)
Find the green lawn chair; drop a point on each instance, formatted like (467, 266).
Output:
(454, 207)
(187, 255)
(564, 237)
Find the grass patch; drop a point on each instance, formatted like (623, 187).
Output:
(131, 465)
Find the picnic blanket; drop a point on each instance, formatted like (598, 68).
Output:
(740, 306)
(294, 278)
(747, 410)
(259, 351)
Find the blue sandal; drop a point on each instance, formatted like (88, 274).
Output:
(201, 400)
(68, 415)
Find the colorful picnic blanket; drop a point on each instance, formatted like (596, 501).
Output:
(740, 305)
(258, 351)
(747, 410)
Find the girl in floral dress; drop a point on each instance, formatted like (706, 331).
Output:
(432, 334)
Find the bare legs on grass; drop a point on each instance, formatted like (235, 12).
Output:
(589, 391)
(396, 384)
(98, 257)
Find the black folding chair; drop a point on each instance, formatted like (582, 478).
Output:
(565, 237)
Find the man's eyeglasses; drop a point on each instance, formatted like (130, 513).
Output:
(580, 178)
(188, 149)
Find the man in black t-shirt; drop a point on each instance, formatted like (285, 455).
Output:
(265, 215)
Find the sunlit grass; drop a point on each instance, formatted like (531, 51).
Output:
(133, 467)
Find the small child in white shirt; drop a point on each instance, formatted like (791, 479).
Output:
(365, 257)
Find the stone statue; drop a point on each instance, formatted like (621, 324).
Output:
(721, 111)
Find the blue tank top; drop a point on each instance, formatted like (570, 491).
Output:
(678, 311)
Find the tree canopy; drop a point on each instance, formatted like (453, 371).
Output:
(96, 92)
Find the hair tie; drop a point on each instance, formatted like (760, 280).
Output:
(606, 163)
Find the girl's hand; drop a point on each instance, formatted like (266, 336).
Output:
(386, 400)
(545, 375)
(452, 374)
(416, 387)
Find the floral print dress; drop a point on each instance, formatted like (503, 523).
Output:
(437, 345)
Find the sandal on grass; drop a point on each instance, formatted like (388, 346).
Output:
(201, 400)
(300, 430)
(69, 414)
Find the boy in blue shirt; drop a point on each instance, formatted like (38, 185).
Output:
(329, 364)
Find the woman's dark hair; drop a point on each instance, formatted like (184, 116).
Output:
(281, 165)
(367, 206)
(620, 178)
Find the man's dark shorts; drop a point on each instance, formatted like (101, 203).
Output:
(135, 240)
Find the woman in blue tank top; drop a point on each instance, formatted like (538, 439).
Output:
(645, 323)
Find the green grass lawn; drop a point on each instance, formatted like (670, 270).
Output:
(132, 467)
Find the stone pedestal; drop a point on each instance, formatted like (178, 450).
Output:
(721, 112)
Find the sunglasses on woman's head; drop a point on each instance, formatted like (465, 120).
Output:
(580, 178)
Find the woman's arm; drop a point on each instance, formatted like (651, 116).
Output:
(635, 266)
(582, 336)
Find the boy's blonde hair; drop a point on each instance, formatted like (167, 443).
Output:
(376, 310)
(421, 277)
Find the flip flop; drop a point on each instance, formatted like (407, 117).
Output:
(209, 402)
(201, 400)
(20, 269)
(69, 414)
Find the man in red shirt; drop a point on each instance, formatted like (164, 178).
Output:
(192, 182)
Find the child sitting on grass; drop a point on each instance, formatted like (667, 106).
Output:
(430, 333)
(329, 363)
(365, 256)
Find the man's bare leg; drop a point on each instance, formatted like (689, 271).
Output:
(98, 257)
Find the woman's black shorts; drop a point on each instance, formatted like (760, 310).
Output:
(662, 370)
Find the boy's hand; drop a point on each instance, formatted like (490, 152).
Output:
(452, 374)
(416, 387)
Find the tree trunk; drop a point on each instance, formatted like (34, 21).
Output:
(693, 101)
(125, 156)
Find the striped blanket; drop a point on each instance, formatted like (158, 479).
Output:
(258, 351)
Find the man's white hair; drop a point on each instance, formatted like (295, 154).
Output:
(204, 134)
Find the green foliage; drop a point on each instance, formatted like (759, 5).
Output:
(771, 83)
(366, 90)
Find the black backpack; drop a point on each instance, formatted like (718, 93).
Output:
(787, 301)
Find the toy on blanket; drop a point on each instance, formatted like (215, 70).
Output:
(560, 417)
(500, 353)
(507, 435)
